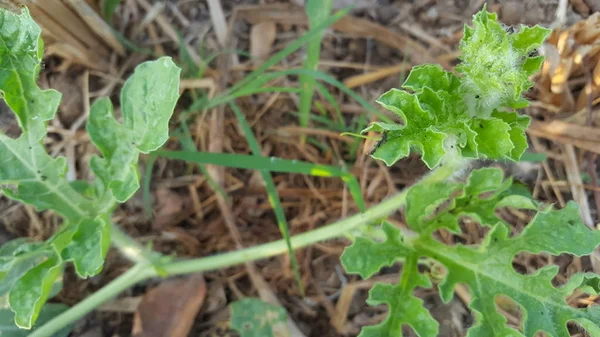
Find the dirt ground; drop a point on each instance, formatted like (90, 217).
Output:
(371, 54)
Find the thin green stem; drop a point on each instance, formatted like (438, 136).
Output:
(142, 270)
(137, 273)
(128, 246)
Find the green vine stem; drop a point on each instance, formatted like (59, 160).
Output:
(144, 269)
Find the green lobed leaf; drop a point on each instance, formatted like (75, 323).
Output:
(48, 312)
(89, 247)
(404, 307)
(40, 179)
(117, 170)
(445, 116)
(486, 269)
(30, 272)
(366, 257)
(415, 132)
(492, 62)
(21, 52)
(17, 257)
(488, 272)
(147, 102)
(31, 290)
(251, 317)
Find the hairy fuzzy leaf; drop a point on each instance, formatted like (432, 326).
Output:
(492, 62)
(486, 269)
(445, 116)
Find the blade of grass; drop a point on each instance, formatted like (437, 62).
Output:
(322, 146)
(328, 123)
(285, 52)
(257, 83)
(318, 12)
(359, 124)
(257, 90)
(109, 9)
(187, 143)
(272, 164)
(271, 191)
(333, 102)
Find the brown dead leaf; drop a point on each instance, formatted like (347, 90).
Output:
(71, 105)
(170, 309)
(262, 37)
(168, 205)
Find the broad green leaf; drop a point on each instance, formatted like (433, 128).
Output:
(366, 257)
(404, 307)
(545, 307)
(424, 200)
(88, 247)
(17, 257)
(21, 52)
(446, 116)
(29, 293)
(40, 179)
(487, 268)
(529, 38)
(433, 206)
(518, 124)
(117, 170)
(417, 131)
(29, 271)
(493, 137)
(251, 317)
(147, 102)
(48, 312)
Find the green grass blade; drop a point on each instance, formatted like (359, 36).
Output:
(272, 164)
(109, 8)
(258, 82)
(187, 143)
(292, 47)
(318, 12)
(333, 102)
(271, 191)
(326, 122)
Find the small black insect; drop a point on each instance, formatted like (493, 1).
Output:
(510, 29)
(379, 142)
(534, 53)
